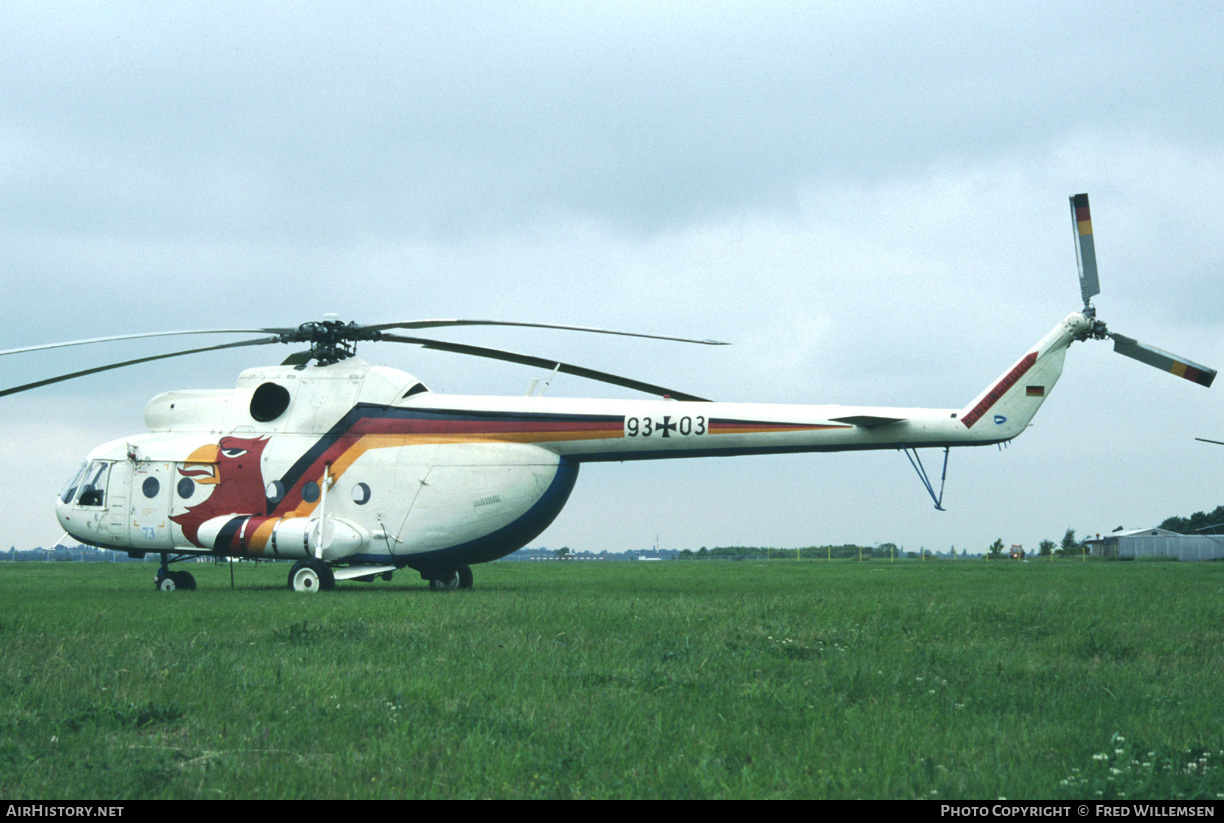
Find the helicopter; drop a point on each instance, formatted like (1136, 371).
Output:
(357, 471)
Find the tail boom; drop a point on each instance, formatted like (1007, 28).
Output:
(590, 430)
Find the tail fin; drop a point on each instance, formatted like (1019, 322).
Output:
(1004, 409)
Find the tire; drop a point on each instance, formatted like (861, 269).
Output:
(311, 576)
(465, 577)
(446, 582)
(175, 581)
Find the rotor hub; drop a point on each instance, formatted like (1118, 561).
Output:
(330, 340)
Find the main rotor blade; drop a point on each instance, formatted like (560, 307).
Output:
(433, 324)
(95, 370)
(1162, 359)
(543, 362)
(351, 332)
(92, 340)
(1085, 249)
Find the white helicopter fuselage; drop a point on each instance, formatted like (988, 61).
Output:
(359, 465)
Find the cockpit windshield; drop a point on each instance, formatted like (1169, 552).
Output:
(70, 490)
(93, 490)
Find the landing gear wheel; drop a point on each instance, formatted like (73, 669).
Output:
(311, 576)
(172, 581)
(460, 578)
(448, 582)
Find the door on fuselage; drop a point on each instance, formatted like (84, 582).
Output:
(152, 491)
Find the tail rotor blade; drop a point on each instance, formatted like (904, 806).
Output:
(1162, 360)
(1085, 249)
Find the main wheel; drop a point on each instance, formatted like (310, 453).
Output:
(446, 582)
(311, 576)
(166, 582)
(460, 578)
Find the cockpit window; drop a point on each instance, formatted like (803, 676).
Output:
(70, 490)
(93, 490)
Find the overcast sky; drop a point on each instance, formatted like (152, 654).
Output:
(869, 200)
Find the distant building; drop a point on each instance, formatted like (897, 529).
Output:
(1129, 545)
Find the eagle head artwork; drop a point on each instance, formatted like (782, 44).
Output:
(232, 469)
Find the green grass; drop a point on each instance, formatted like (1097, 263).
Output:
(747, 680)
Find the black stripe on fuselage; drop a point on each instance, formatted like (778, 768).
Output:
(225, 537)
(368, 411)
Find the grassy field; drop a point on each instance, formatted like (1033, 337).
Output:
(809, 679)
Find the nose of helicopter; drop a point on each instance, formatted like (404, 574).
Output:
(61, 512)
(63, 501)
(69, 522)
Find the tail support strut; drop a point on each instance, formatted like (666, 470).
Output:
(916, 462)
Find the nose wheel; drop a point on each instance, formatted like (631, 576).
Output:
(173, 581)
(168, 581)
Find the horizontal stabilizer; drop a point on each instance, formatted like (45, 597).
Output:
(867, 421)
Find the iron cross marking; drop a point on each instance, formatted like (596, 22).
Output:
(666, 426)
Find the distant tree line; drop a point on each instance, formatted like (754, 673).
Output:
(1195, 523)
(845, 550)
